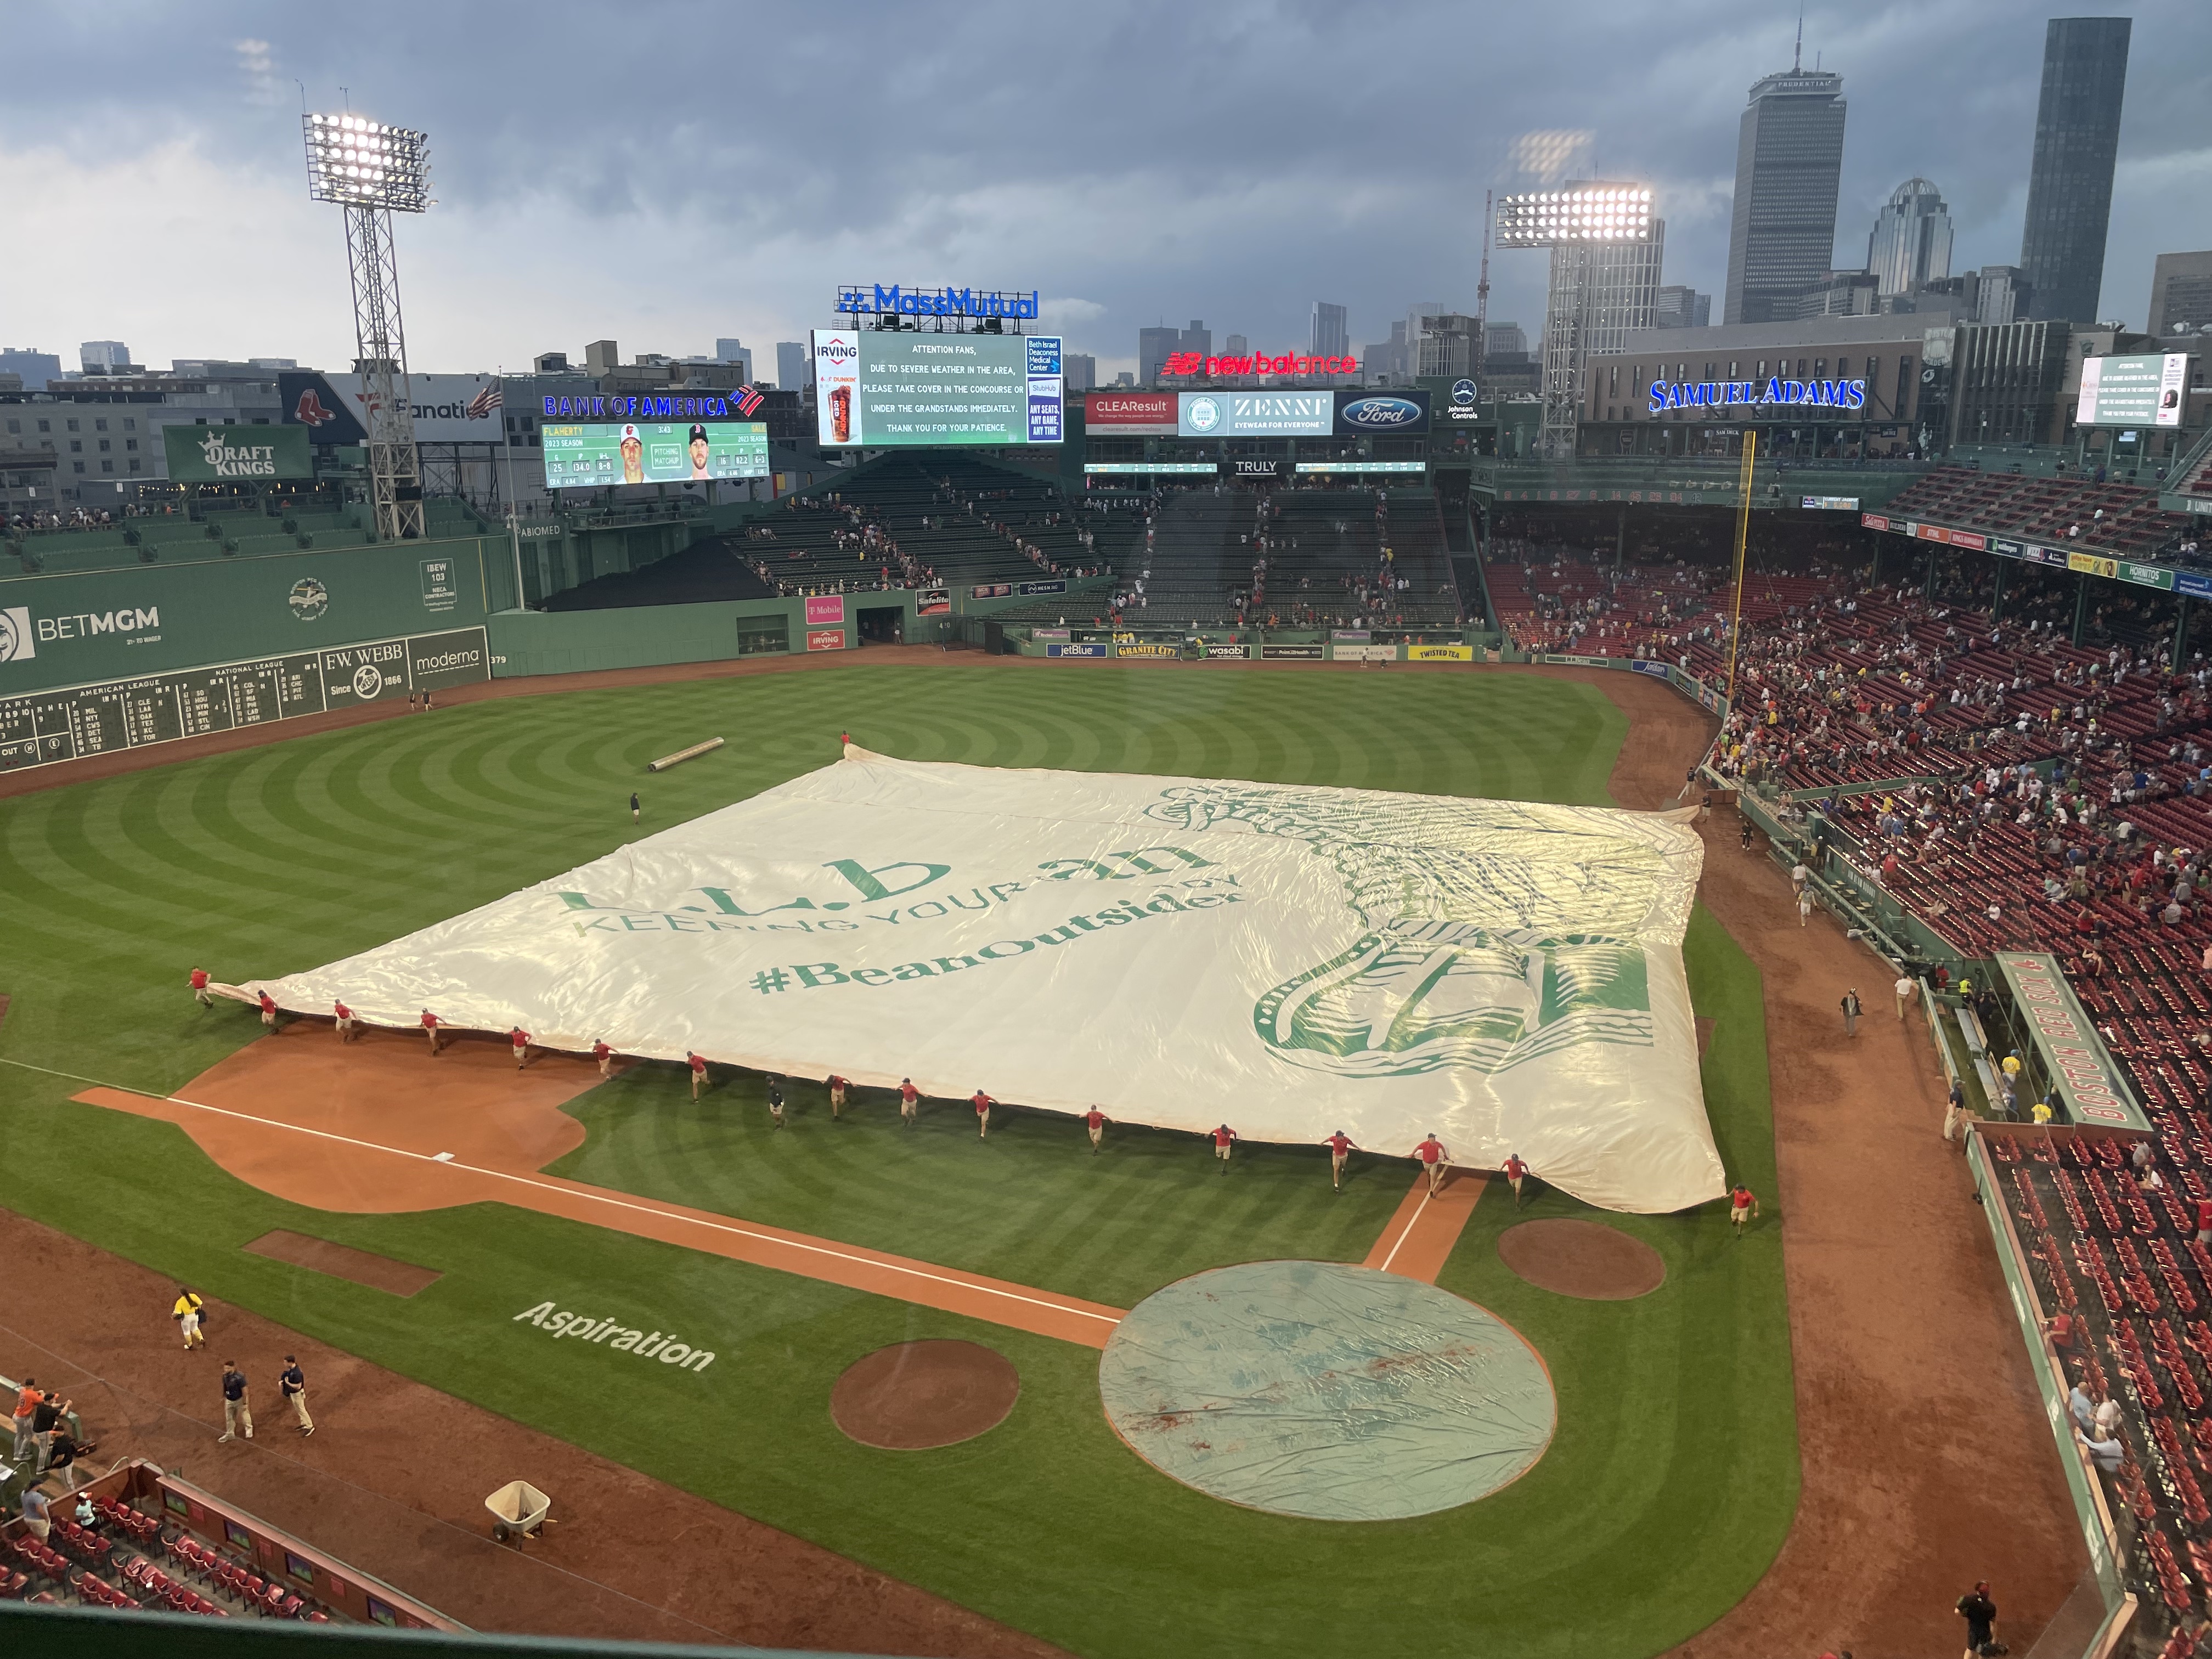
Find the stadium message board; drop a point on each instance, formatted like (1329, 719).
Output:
(890, 389)
(588, 453)
(2146, 391)
(236, 454)
(41, 727)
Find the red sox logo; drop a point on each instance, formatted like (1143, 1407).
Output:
(311, 412)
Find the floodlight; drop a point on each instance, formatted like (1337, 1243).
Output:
(1584, 213)
(362, 163)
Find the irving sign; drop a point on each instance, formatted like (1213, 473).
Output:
(236, 454)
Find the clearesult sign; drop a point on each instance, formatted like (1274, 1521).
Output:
(2074, 1056)
(236, 454)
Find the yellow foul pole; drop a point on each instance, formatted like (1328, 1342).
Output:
(1742, 538)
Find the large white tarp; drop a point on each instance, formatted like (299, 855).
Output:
(1182, 951)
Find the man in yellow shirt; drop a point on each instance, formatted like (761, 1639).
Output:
(186, 1313)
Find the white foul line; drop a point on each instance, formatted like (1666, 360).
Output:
(1412, 1221)
(591, 1196)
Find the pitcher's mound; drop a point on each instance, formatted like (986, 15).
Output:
(1582, 1258)
(914, 1396)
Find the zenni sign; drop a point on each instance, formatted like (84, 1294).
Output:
(874, 299)
(1194, 362)
(1775, 393)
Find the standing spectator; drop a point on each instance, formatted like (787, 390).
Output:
(1804, 908)
(1852, 1008)
(62, 1453)
(25, 1418)
(1224, 1139)
(237, 1412)
(292, 1383)
(186, 1313)
(35, 1514)
(44, 1418)
(1903, 988)
(2108, 1416)
(1981, 1616)
(1799, 875)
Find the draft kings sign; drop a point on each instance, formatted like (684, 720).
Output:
(1178, 950)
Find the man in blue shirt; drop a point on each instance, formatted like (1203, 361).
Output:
(236, 1412)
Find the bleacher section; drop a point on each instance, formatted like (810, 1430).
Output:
(157, 538)
(2119, 520)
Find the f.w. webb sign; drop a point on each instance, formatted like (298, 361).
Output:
(1507, 976)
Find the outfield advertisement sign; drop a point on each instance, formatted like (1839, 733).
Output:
(78, 721)
(1085, 648)
(236, 454)
(1291, 652)
(882, 389)
(1439, 653)
(1505, 974)
(2075, 1058)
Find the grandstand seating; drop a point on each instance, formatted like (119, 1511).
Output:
(2115, 520)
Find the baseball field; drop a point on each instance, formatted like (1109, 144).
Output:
(1664, 1493)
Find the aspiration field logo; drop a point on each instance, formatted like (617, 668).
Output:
(613, 1334)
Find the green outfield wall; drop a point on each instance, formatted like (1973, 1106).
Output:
(649, 635)
(67, 629)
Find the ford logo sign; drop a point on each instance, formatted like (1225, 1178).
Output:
(1381, 412)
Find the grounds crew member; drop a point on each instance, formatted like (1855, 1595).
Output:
(200, 988)
(268, 1011)
(237, 1413)
(775, 1102)
(983, 1104)
(345, 1021)
(1852, 1008)
(1432, 1153)
(1340, 1148)
(186, 1313)
(293, 1382)
(430, 1030)
(1516, 1172)
(837, 1086)
(1095, 1121)
(1224, 1139)
(1743, 1205)
(909, 1098)
(604, 1055)
(520, 1039)
(698, 1064)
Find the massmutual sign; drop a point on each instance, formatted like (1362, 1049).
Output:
(236, 454)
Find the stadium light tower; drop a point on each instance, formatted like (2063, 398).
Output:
(374, 171)
(1607, 249)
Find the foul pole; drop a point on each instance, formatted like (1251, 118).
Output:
(1742, 539)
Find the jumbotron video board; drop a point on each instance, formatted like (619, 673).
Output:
(588, 455)
(889, 389)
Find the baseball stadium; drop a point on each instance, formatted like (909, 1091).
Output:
(770, 1104)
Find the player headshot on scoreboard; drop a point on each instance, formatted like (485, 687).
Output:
(699, 452)
(632, 454)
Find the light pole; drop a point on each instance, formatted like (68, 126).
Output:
(374, 171)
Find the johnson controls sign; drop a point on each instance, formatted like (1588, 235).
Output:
(1775, 396)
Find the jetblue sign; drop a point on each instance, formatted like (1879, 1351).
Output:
(873, 300)
(1774, 394)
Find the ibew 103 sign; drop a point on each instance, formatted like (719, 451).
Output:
(1710, 394)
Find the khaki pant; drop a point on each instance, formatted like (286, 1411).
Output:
(189, 1324)
(431, 1031)
(345, 1031)
(237, 1415)
(1435, 1175)
(1955, 1123)
(299, 1403)
(984, 1123)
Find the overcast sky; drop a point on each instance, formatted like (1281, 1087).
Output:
(665, 174)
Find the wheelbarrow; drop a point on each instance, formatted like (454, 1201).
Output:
(518, 1509)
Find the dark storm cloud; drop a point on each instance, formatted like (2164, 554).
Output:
(676, 171)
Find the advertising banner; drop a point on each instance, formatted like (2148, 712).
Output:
(1087, 648)
(1291, 652)
(825, 639)
(589, 454)
(1129, 414)
(1254, 414)
(933, 602)
(1439, 653)
(1506, 975)
(881, 389)
(2092, 564)
(1873, 521)
(236, 454)
(992, 591)
(2148, 575)
(1034, 590)
(2075, 1058)
(1830, 503)
(2133, 390)
(437, 660)
(1361, 413)
(1969, 540)
(1148, 648)
(1363, 652)
(824, 608)
(440, 591)
(1051, 633)
(448, 409)
(2195, 584)
(1238, 652)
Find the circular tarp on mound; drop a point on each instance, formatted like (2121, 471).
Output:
(1332, 1392)
(1582, 1258)
(914, 1396)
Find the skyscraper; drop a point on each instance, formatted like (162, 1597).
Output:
(1788, 162)
(794, 366)
(2180, 292)
(1080, 369)
(1330, 335)
(1910, 245)
(2070, 186)
(1682, 307)
(1154, 347)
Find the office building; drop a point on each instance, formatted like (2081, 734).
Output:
(1910, 245)
(1384, 360)
(1509, 339)
(1080, 369)
(794, 366)
(2009, 382)
(2000, 294)
(36, 367)
(1154, 347)
(2070, 185)
(1237, 346)
(1328, 335)
(1789, 163)
(1677, 306)
(1448, 347)
(2180, 293)
(1845, 294)
(105, 357)
(735, 351)
(1196, 341)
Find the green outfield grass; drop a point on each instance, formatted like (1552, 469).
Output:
(1674, 1476)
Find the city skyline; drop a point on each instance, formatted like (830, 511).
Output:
(554, 227)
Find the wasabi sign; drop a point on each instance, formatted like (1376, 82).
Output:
(2096, 1091)
(1507, 975)
(237, 454)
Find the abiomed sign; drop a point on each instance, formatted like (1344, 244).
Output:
(2094, 1090)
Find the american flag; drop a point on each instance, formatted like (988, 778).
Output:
(749, 400)
(481, 406)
